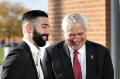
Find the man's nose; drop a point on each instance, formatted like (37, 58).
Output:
(76, 38)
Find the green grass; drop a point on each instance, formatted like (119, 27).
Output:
(1, 55)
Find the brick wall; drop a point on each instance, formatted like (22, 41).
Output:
(97, 12)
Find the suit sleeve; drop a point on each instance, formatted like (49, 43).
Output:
(13, 67)
(47, 65)
(108, 71)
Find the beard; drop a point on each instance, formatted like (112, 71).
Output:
(39, 39)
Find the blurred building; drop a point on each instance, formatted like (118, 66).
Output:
(97, 12)
(103, 17)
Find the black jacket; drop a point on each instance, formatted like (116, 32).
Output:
(19, 64)
(57, 62)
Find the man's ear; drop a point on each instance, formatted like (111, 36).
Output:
(28, 28)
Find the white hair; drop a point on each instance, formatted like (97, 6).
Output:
(72, 18)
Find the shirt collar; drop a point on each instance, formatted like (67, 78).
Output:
(81, 50)
(33, 49)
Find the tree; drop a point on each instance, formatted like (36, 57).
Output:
(10, 19)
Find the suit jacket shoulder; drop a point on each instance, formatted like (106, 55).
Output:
(55, 47)
(15, 54)
(19, 64)
(98, 48)
(98, 61)
(95, 45)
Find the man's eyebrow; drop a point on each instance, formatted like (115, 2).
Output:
(45, 24)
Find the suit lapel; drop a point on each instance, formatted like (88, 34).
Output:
(90, 62)
(66, 61)
(31, 58)
(33, 64)
(42, 67)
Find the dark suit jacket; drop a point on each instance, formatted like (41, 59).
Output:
(19, 64)
(57, 62)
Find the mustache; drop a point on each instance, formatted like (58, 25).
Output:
(45, 36)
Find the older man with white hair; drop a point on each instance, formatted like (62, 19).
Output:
(76, 57)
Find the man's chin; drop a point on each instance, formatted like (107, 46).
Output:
(41, 43)
(77, 46)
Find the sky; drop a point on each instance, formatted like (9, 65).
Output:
(32, 4)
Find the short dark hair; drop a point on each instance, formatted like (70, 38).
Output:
(33, 14)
